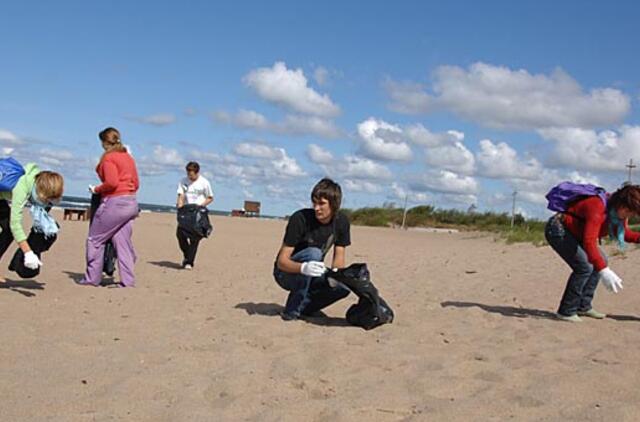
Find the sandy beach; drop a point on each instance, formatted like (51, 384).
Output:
(474, 336)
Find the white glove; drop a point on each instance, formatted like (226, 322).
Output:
(31, 261)
(313, 268)
(92, 189)
(611, 281)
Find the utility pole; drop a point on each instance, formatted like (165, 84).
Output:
(630, 166)
(404, 214)
(513, 208)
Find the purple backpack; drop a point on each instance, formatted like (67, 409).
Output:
(560, 197)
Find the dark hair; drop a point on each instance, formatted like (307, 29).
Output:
(193, 166)
(627, 196)
(329, 190)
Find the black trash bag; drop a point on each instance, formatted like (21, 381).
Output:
(371, 310)
(110, 256)
(38, 244)
(194, 219)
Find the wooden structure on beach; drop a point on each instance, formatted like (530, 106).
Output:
(80, 213)
(250, 209)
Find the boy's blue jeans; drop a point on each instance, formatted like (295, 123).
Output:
(307, 294)
(583, 281)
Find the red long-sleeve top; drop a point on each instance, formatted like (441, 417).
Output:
(118, 174)
(587, 220)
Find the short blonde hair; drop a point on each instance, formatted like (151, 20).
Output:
(49, 185)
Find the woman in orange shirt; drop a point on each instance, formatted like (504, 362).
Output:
(118, 208)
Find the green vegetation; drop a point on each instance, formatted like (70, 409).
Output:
(428, 216)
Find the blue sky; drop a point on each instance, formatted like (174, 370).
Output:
(448, 104)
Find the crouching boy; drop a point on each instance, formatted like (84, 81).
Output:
(310, 234)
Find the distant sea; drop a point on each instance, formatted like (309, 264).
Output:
(80, 202)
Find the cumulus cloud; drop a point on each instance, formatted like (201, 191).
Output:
(454, 157)
(256, 150)
(401, 193)
(161, 161)
(408, 97)
(351, 167)
(500, 161)
(8, 138)
(383, 141)
(289, 88)
(500, 97)
(362, 186)
(319, 155)
(321, 75)
(275, 162)
(588, 150)
(445, 181)
(292, 124)
(161, 119)
(422, 136)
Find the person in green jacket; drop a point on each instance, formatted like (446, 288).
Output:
(40, 188)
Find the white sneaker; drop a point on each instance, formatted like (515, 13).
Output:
(188, 267)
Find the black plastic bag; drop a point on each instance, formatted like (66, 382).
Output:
(371, 310)
(194, 219)
(110, 256)
(38, 244)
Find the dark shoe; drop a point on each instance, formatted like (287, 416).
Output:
(288, 317)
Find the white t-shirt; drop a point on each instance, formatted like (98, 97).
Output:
(195, 192)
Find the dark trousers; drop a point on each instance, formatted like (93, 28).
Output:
(307, 295)
(188, 245)
(583, 280)
(5, 236)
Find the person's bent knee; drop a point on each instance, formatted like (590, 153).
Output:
(310, 254)
(585, 269)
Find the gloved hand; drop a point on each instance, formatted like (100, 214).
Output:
(31, 261)
(313, 268)
(611, 281)
(92, 189)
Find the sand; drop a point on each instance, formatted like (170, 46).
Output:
(474, 336)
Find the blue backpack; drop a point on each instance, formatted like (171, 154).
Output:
(10, 172)
(561, 197)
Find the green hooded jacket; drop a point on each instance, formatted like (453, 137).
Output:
(19, 197)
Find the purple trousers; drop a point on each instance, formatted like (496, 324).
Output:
(113, 220)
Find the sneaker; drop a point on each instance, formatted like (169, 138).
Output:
(592, 313)
(569, 318)
(188, 267)
(288, 317)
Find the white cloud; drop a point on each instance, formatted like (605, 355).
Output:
(321, 75)
(588, 150)
(500, 161)
(455, 157)
(410, 195)
(420, 135)
(445, 181)
(256, 150)
(362, 186)
(319, 155)
(289, 88)
(291, 125)
(504, 98)
(353, 167)
(274, 161)
(408, 97)
(9, 138)
(161, 119)
(383, 141)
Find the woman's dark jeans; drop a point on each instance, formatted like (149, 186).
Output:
(583, 281)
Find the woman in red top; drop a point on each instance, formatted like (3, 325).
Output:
(575, 235)
(118, 208)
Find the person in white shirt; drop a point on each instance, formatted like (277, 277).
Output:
(193, 189)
